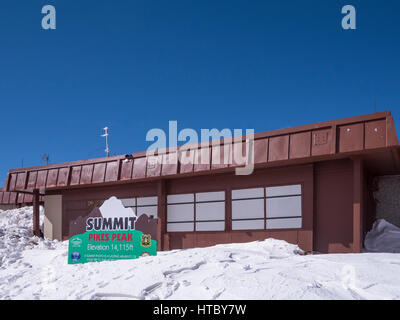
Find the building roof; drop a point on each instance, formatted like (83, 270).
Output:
(372, 136)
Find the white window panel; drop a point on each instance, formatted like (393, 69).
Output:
(248, 193)
(245, 209)
(210, 226)
(292, 223)
(131, 202)
(210, 196)
(284, 207)
(180, 227)
(210, 211)
(180, 212)
(248, 224)
(180, 198)
(145, 201)
(283, 190)
(150, 211)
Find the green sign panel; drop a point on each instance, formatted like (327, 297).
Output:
(111, 245)
(112, 232)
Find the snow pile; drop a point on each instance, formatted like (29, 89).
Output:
(16, 235)
(269, 269)
(383, 237)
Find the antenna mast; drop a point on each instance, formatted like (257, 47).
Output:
(46, 158)
(106, 135)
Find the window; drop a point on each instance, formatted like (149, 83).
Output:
(203, 211)
(248, 209)
(210, 211)
(284, 207)
(180, 212)
(270, 208)
(141, 205)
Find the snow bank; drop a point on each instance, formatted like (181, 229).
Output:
(16, 235)
(33, 268)
(383, 237)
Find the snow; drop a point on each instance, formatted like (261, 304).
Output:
(113, 207)
(383, 237)
(16, 235)
(33, 268)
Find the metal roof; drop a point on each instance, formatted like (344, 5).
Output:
(7, 197)
(360, 135)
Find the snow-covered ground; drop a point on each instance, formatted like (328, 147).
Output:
(32, 268)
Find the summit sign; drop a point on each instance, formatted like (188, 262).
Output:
(111, 236)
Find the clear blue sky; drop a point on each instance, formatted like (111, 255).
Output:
(135, 65)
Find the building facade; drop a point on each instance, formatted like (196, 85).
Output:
(311, 186)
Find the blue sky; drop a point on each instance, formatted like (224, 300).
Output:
(135, 65)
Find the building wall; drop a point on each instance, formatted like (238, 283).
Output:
(8, 206)
(333, 217)
(261, 178)
(53, 217)
(79, 202)
(327, 205)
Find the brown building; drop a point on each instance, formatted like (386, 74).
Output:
(311, 186)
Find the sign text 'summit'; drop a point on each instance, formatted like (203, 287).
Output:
(116, 223)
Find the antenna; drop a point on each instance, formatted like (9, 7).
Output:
(375, 105)
(106, 135)
(45, 158)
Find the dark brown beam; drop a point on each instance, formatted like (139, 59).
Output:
(36, 208)
(396, 157)
(29, 192)
(228, 209)
(358, 208)
(161, 213)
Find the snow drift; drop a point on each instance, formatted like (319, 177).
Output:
(33, 268)
(16, 235)
(383, 237)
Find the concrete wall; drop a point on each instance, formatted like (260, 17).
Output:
(53, 217)
(388, 199)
